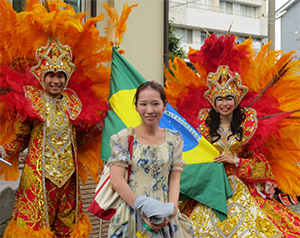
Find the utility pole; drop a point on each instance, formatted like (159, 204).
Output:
(166, 34)
(271, 23)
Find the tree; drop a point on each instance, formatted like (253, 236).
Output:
(175, 49)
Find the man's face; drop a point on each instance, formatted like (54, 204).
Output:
(54, 84)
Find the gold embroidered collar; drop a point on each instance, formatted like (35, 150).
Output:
(37, 98)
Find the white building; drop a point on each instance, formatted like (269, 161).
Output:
(194, 18)
(288, 18)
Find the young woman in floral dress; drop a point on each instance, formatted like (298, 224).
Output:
(155, 167)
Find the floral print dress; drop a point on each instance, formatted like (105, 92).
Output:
(150, 169)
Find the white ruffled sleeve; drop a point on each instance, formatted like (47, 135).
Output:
(119, 145)
(177, 163)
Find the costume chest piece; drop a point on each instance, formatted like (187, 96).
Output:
(58, 157)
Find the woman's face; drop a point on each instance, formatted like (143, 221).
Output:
(225, 105)
(150, 106)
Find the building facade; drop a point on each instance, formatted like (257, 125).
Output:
(289, 25)
(194, 20)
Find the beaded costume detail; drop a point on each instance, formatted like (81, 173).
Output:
(58, 156)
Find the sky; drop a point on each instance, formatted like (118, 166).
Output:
(279, 3)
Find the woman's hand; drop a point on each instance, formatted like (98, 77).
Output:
(157, 227)
(224, 158)
(163, 224)
(150, 224)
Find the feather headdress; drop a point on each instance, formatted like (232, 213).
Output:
(267, 75)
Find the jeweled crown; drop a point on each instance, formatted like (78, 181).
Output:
(224, 83)
(54, 57)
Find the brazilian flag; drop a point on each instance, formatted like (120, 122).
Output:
(202, 179)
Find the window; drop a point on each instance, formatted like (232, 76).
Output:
(18, 5)
(248, 11)
(186, 35)
(236, 9)
(189, 36)
(226, 7)
(240, 39)
(257, 43)
(181, 1)
(179, 32)
(76, 4)
(204, 35)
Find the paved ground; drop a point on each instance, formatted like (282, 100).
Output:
(295, 208)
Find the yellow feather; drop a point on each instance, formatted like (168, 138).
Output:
(116, 26)
(121, 27)
(111, 27)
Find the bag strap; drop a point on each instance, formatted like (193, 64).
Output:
(130, 147)
(130, 141)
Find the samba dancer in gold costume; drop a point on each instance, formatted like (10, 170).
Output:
(237, 102)
(49, 194)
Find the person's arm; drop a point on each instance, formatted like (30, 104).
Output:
(174, 188)
(225, 158)
(256, 170)
(86, 135)
(252, 169)
(174, 177)
(255, 167)
(117, 181)
(9, 152)
(120, 185)
(22, 131)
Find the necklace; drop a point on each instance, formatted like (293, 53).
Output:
(224, 131)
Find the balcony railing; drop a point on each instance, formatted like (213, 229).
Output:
(197, 5)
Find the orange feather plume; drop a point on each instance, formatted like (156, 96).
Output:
(13, 230)
(175, 86)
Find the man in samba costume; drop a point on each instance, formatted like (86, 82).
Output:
(49, 194)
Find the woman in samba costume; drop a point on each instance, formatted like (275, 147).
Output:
(244, 123)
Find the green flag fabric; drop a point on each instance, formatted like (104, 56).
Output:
(123, 83)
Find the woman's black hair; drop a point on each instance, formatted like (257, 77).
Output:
(150, 84)
(213, 122)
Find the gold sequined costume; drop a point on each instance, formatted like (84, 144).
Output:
(49, 195)
(266, 148)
